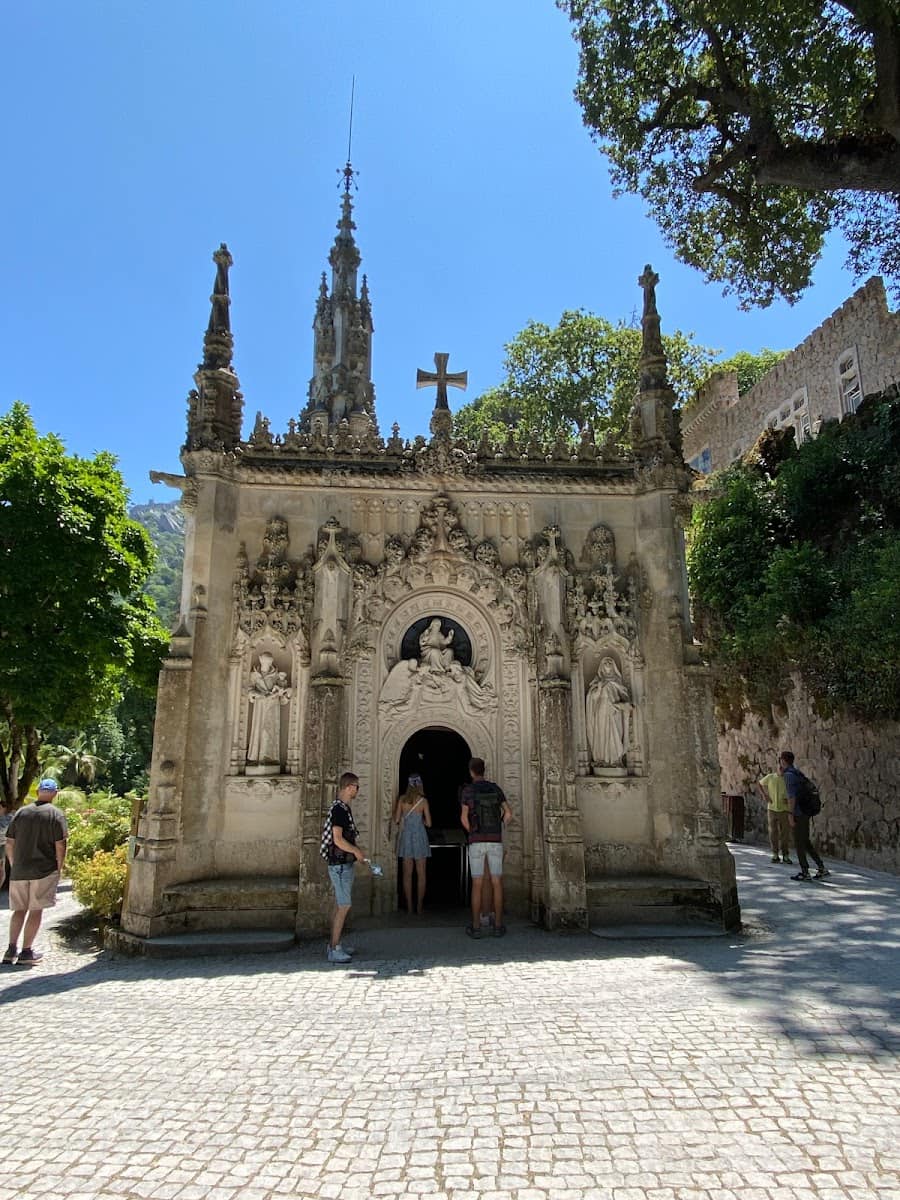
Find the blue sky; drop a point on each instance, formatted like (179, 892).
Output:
(141, 133)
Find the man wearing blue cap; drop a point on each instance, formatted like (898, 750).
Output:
(36, 849)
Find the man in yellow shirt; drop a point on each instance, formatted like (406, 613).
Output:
(772, 789)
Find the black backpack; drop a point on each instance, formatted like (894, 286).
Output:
(488, 810)
(808, 799)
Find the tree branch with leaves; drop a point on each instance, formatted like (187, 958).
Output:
(751, 131)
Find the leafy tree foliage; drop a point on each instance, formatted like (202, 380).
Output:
(75, 765)
(751, 130)
(749, 367)
(585, 369)
(73, 621)
(797, 568)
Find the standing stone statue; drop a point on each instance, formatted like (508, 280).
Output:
(268, 693)
(608, 703)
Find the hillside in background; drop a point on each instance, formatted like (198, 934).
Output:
(165, 524)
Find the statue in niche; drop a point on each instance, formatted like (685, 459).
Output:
(608, 705)
(268, 693)
(435, 646)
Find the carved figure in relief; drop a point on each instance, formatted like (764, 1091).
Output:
(608, 705)
(435, 646)
(268, 693)
(398, 686)
(474, 697)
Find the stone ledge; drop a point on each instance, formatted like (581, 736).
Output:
(232, 893)
(195, 945)
(642, 899)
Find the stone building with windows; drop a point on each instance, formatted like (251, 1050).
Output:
(392, 607)
(854, 353)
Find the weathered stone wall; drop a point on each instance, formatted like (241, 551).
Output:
(729, 426)
(856, 766)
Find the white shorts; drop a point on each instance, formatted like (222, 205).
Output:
(26, 895)
(493, 852)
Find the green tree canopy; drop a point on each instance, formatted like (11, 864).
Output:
(751, 130)
(794, 564)
(749, 367)
(73, 622)
(585, 369)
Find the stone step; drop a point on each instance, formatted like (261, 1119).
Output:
(646, 899)
(196, 945)
(232, 893)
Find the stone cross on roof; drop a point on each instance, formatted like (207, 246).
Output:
(648, 282)
(442, 378)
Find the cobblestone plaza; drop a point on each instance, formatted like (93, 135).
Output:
(762, 1066)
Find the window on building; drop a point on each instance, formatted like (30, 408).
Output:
(800, 418)
(702, 462)
(772, 420)
(849, 382)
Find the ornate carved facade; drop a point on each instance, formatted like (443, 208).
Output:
(356, 603)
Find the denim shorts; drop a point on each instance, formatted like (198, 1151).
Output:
(341, 877)
(493, 852)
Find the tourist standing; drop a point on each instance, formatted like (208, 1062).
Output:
(343, 856)
(36, 848)
(484, 813)
(799, 820)
(772, 789)
(413, 816)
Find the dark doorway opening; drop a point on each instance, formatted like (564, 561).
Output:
(441, 757)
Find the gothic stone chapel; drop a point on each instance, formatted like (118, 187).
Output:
(390, 607)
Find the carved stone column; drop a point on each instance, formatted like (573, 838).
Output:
(324, 755)
(159, 827)
(565, 897)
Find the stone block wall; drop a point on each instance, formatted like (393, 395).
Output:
(856, 766)
(727, 426)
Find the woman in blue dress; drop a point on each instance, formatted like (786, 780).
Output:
(413, 817)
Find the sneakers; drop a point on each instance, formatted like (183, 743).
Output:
(775, 858)
(803, 876)
(10, 956)
(822, 873)
(29, 957)
(473, 931)
(335, 954)
(351, 950)
(499, 931)
(789, 861)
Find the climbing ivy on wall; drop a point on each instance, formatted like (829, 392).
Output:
(794, 564)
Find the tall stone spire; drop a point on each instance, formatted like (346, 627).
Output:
(656, 432)
(216, 406)
(341, 387)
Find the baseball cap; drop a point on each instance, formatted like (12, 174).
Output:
(415, 781)
(48, 785)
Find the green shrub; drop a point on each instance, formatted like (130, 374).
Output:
(100, 821)
(99, 882)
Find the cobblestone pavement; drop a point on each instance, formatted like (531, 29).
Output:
(535, 1067)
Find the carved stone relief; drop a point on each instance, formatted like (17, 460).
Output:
(270, 650)
(603, 610)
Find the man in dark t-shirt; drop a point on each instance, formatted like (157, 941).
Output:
(485, 811)
(36, 848)
(343, 856)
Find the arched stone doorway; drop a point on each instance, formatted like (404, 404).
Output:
(441, 756)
